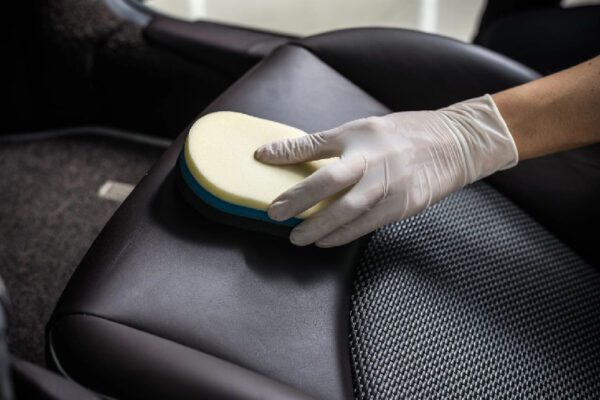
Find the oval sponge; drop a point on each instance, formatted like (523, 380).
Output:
(219, 167)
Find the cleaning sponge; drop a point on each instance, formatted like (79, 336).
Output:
(219, 169)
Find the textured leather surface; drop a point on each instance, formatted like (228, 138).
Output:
(249, 299)
(473, 299)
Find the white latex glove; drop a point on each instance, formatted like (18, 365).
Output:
(390, 167)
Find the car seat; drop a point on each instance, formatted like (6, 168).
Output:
(472, 298)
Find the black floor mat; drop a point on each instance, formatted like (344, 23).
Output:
(50, 213)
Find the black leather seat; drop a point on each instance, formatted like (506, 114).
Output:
(167, 304)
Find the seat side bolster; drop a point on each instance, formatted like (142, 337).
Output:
(108, 356)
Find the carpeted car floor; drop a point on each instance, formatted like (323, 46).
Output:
(50, 213)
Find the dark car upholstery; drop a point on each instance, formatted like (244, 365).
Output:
(453, 303)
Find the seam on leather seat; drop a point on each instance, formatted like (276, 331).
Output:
(304, 47)
(56, 362)
(55, 320)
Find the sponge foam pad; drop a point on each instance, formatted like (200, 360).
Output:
(218, 164)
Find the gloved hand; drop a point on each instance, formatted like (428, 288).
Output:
(389, 167)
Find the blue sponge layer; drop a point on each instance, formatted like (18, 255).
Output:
(224, 206)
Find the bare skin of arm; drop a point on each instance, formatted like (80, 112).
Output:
(554, 113)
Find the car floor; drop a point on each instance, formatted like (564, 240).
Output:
(50, 213)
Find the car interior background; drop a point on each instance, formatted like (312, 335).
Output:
(112, 286)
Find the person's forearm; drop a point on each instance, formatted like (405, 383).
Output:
(554, 113)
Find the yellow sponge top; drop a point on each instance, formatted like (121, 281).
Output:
(219, 152)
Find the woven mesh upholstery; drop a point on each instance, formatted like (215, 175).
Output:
(473, 299)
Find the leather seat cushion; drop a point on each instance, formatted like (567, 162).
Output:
(177, 296)
(163, 275)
